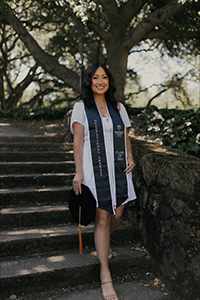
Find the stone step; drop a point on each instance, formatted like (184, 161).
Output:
(35, 156)
(15, 217)
(64, 269)
(36, 167)
(32, 139)
(34, 196)
(26, 241)
(132, 287)
(16, 147)
(22, 242)
(35, 180)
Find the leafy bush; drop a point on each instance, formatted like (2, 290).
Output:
(179, 129)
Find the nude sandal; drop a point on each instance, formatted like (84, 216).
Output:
(109, 297)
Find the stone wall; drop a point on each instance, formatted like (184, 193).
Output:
(166, 214)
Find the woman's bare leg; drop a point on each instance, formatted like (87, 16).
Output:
(102, 244)
(115, 222)
(116, 219)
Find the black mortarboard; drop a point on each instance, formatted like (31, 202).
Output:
(87, 203)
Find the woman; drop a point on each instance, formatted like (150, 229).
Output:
(103, 160)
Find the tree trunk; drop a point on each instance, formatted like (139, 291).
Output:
(3, 105)
(2, 98)
(117, 63)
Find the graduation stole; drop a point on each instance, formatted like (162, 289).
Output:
(99, 159)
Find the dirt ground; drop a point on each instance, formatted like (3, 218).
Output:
(32, 127)
(55, 127)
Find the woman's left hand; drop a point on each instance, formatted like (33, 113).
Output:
(131, 165)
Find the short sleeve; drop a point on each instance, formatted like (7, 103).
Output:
(124, 115)
(78, 114)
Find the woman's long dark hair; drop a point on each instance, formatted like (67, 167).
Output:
(87, 93)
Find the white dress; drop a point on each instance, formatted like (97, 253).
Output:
(79, 115)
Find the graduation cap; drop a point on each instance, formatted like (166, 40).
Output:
(82, 208)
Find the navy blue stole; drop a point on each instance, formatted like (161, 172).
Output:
(99, 157)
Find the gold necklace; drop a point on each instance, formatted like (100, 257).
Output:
(100, 106)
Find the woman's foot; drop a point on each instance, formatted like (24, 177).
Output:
(108, 290)
(107, 286)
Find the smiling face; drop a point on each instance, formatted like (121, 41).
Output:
(100, 82)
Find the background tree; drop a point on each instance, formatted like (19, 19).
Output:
(111, 29)
(10, 65)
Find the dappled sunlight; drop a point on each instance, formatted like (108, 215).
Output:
(24, 232)
(23, 270)
(31, 189)
(41, 268)
(91, 226)
(36, 231)
(5, 124)
(16, 210)
(27, 234)
(53, 125)
(157, 148)
(58, 258)
(40, 264)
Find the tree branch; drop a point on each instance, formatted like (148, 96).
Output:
(13, 44)
(119, 17)
(142, 90)
(130, 9)
(174, 83)
(104, 35)
(37, 97)
(156, 34)
(142, 50)
(158, 94)
(59, 101)
(110, 8)
(158, 17)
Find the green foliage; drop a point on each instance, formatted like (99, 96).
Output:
(182, 30)
(179, 129)
(25, 113)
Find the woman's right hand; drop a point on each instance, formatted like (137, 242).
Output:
(78, 179)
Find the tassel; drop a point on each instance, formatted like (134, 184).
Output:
(80, 237)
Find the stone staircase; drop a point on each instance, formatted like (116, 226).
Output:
(38, 239)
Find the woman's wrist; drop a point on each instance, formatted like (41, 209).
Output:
(130, 155)
(79, 172)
